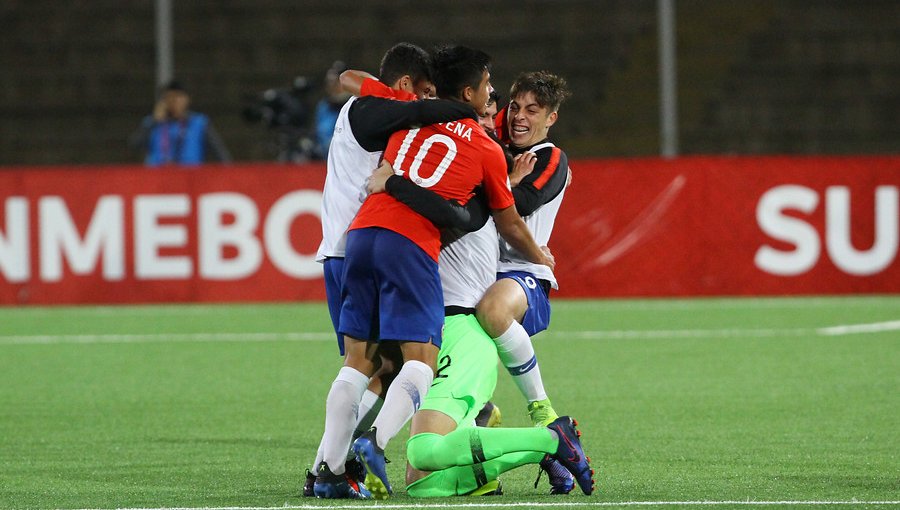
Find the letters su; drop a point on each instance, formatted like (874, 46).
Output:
(806, 241)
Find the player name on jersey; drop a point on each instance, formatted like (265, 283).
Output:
(459, 129)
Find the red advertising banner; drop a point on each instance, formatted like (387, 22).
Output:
(139, 235)
(627, 227)
(729, 226)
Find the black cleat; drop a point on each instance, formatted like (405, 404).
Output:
(570, 454)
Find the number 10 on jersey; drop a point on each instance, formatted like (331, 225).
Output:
(415, 166)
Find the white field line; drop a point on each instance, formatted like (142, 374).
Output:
(722, 333)
(850, 329)
(574, 504)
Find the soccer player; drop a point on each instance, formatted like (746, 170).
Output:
(392, 290)
(361, 133)
(517, 306)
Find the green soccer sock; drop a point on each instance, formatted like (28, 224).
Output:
(461, 480)
(471, 445)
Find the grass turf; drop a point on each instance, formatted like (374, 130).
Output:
(678, 400)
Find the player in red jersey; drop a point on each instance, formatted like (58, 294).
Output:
(363, 130)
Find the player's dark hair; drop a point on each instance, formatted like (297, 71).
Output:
(494, 97)
(405, 59)
(458, 67)
(549, 89)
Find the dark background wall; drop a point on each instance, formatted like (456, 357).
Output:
(767, 76)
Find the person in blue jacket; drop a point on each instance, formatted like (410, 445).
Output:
(328, 108)
(175, 135)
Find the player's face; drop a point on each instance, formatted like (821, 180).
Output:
(424, 89)
(487, 120)
(528, 121)
(479, 97)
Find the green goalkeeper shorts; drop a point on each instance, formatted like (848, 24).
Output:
(466, 370)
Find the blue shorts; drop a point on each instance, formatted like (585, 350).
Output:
(537, 316)
(334, 269)
(392, 290)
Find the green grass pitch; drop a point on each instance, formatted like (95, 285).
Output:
(722, 401)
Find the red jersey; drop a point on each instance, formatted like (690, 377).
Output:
(373, 87)
(451, 159)
(500, 126)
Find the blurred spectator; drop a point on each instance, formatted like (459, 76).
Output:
(175, 135)
(329, 106)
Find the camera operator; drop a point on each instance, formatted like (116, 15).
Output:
(175, 135)
(285, 112)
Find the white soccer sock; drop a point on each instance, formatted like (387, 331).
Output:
(402, 400)
(517, 354)
(369, 407)
(369, 402)
(341, 408)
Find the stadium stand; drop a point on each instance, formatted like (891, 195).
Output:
(761, 77)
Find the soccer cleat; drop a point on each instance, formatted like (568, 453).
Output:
(541, 412)
(561, 481)
(308, 485)
(372, 458)
(570, 454)
(331, 486)
(489, 416)
(492, 488)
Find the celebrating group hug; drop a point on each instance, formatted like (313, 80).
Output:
(437, 210)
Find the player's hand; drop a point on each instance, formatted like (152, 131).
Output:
(551, 261)
(376, 182)
(159, 111)
(523, 164)
(568, 177)
(549, 256)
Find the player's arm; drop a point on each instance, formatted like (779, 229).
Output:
(544, 183)
(442, 212)
(438, 210)
(374, 119)
(352, 81)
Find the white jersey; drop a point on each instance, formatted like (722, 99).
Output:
(540, 223)
(349, 164)
(468, 266)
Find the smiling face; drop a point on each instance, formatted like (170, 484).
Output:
(528, 121)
